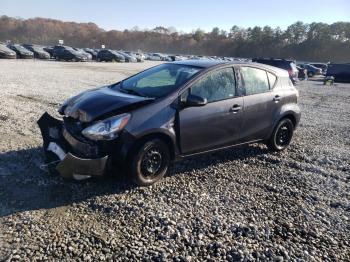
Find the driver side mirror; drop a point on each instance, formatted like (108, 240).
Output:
(194, 101)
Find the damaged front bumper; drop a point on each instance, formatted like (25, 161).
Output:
(58, 147)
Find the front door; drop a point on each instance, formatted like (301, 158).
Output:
(216, 124)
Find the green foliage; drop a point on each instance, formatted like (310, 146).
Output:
(315, 41)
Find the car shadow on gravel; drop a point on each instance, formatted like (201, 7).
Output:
(24, 186)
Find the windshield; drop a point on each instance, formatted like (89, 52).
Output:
(37, 49)
(158, 81)
(20, 48)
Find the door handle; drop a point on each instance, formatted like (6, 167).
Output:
(277, 98)
(235, 108)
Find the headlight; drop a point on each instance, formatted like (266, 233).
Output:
(107, 129)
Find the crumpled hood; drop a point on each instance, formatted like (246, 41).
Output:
(95, 103)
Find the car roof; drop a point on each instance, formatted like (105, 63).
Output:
(203, 63)
(200, 63)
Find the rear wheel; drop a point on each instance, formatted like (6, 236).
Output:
(281, 136)
(149, 162)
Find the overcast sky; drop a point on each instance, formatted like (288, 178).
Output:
(184, 15)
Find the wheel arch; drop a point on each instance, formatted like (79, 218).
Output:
(291, 117)
(166, 138)
(292, 113)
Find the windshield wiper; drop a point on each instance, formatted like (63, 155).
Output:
(133, 92)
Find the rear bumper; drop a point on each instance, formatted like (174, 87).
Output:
(59, 151)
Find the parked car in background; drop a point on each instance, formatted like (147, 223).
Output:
(21, 52)
(340, 72)
(38, 51)
(128, 57)
(6, 52)
(301, 73)
(288, 65)
(67, 53)
(158, 57)
(87, 55)
(108, 55)
(198, 57)
(322, 66)
(92, 52)
(139, 56)
(169, 112)
(311, 70)
(50, 50)
(177, 58)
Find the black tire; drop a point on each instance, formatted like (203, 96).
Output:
(149, 162)
(281, 135)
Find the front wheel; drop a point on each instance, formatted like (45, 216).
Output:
(281, 135)
(149, 162)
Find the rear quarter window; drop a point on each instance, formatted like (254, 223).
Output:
(255, 80)
(272, 79)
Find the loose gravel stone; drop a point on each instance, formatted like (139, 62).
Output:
(244, 203)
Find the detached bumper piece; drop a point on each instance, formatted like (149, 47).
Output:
(72, 166)
(57, 150)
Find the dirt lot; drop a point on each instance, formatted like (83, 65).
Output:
(239, 204)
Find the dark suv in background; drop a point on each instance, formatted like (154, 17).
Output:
(340, 72)
(288, 65)
(108, 55)
(67, 53)
(169, 112)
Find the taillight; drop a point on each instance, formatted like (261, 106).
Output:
(290, 72)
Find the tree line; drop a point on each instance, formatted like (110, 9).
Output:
(300, 41)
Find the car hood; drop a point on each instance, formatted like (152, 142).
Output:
(24, 52)
(97, 103)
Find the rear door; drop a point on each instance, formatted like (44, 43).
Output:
(261, 102)
(216, 124)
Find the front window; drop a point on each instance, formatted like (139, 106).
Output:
(158, 81)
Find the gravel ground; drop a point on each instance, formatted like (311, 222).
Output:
(239, 204)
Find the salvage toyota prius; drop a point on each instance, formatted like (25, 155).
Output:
(168, 112)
